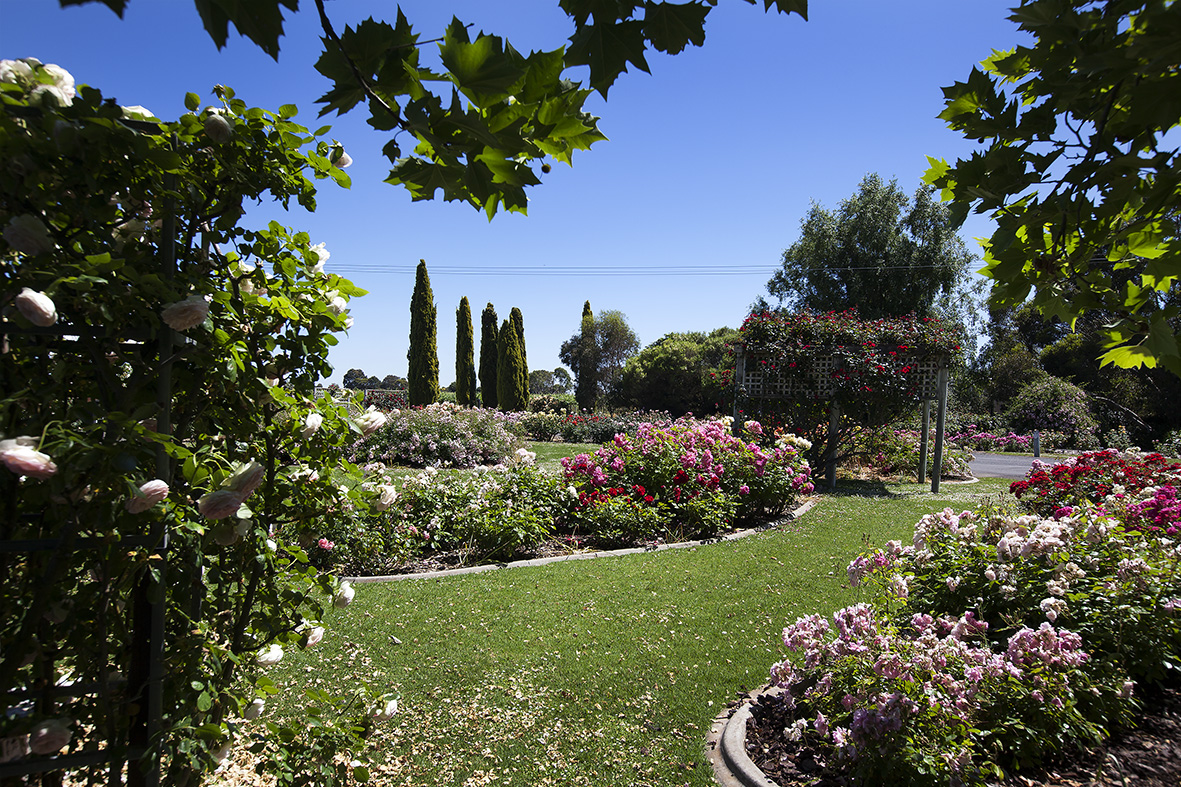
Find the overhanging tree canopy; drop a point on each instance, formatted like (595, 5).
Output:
(478, 139)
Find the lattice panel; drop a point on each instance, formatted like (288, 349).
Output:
(784, 384)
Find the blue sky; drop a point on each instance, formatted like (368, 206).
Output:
(712, 160)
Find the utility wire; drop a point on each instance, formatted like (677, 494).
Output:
(599, 270)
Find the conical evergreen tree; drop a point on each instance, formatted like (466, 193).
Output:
(519, 326)
(422, 378)
(586, 387)
(489, 351)
(465, 364)
(511, 393)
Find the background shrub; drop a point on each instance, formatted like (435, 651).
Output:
(1054, 404)
(441, 434)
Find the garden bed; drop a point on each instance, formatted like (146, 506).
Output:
(1148, 755)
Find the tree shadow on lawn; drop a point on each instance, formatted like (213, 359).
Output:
(855, 487)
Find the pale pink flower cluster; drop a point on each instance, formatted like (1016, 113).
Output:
(186, 314)
(21, 456)
(147, 496)
(36, 307)
(226, 501)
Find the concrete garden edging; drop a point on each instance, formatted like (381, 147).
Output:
(725, 746)
(541, 561)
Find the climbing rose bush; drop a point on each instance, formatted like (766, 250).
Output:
(118, 235)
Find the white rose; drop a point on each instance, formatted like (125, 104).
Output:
(222, 753)
(370, 421)
(344, 596)
(36, 307)
(315, 635)
(15, 71)
(322, 254)
(271, 656)
(28, 235)
(311, 424)
(49, 736)
(254, 709)
(387, 495)
(149, 494)
(62, 79)
(386, 710)
(189, 313)
(136, 112)
(218, 128)
(344, 160)
(50, 97)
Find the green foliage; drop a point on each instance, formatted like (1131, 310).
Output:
(1079, 172)
(681, 373)
(880, 252)
(422, 376)
(580, 353)
(465, 365)
(874, 377)
(499, 111)
(518, 321)
(171, 391)
(598, 352)
(489, 353)
(511, 393)
(1054, 404)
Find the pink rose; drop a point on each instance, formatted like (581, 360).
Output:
(22, 458)
(36, 307)
(219, 504)
(189, 313)
(149, 494)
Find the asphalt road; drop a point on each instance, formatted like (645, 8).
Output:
(1000, 465)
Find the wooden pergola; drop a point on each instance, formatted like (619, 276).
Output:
(931, 370)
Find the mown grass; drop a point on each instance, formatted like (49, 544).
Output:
(598, 672)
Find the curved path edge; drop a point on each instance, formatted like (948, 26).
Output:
(541, 561)
(725, 746)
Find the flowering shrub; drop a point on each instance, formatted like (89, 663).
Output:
(690, 472)
(125, 253)
(487, 515)
(1107, 478)
(440, 434)
(602, 427)
(991, 641)
(1052, 403)
(896, 451)
(874, 374)
(385, 399)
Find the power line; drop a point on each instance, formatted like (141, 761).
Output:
(601, 270)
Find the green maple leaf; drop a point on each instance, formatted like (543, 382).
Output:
(673, 26)
(786, 6)
(607, 49)
(115, 5)
(259, 20)
(485, 70)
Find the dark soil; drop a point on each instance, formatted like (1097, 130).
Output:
(1147, 756)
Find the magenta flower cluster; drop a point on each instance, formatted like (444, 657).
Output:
(669, 467)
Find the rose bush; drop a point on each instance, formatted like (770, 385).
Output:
(441, 435)
(1101, 478)
(115, 429)
(992, 641)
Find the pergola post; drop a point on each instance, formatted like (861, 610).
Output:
(834, 420)
(940, 427)
(923, 441)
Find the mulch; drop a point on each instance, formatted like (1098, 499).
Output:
(1147, 756)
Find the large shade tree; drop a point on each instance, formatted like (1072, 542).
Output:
(1080, 169)
(880, 251)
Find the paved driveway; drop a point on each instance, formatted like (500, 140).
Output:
(1000, 465)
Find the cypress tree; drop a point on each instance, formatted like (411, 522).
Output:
(510, 392)
(586, 389)
(489, 351)
(465, 365)
(519, 326)
(422, 378)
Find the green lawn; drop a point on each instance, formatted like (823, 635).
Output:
(599, 672)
